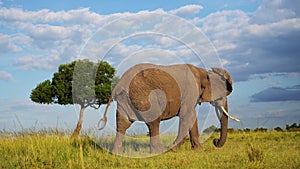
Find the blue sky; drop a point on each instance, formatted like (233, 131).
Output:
(257, 42)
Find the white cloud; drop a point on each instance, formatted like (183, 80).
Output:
(71, 17)
(53, 37)
(275, 29)
(38, 62)
(51, 26)
(7, 44)
(254, 43)
(276, 10)
(245, 41)
(186, 11)
(6, 76)
(64, 32)
(225, 25)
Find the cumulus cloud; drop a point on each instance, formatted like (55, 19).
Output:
(14, 16)
(247, 43)
(275, 94)
(7, 44)
(6, 76)
(255, 43)
(45, 32)
(53, 37)
(276, 10)
(38, 62)
(186, 11)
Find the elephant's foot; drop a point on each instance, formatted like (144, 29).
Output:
(195, 144)
(118, 146)
(117, 150)
(196, 147)
(176, 145)
(158, 148)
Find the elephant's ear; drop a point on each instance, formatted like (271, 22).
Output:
(219, 85)
(225, 77)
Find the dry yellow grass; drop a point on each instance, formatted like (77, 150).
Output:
(242, 150)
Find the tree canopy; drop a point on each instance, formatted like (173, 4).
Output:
(42, 93)
(81, 82)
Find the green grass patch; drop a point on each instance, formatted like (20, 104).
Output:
(242, 150)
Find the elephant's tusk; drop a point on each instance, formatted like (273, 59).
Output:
(227, 114)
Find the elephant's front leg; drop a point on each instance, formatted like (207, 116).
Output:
(122, 125)
(194, 136)
(155, 145)
(187, 119)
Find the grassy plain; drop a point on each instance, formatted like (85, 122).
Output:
(242, 150)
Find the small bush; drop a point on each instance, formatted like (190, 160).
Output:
(255, 154)
(278, 129)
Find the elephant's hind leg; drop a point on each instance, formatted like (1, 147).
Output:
(155, 145)
(122, 125)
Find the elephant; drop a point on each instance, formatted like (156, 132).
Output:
(153, 93)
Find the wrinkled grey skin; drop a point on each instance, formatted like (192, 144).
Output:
(173, 90)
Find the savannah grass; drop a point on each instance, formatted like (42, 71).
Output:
(53, 149)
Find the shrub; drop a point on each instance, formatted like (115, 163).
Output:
(278, 129)
(261, 130)
(255, 154)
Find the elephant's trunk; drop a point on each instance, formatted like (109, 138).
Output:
(224, 125)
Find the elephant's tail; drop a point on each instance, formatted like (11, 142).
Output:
(102, 122)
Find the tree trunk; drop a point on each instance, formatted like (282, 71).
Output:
(79, 123)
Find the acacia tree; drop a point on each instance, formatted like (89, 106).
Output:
(82, 82)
